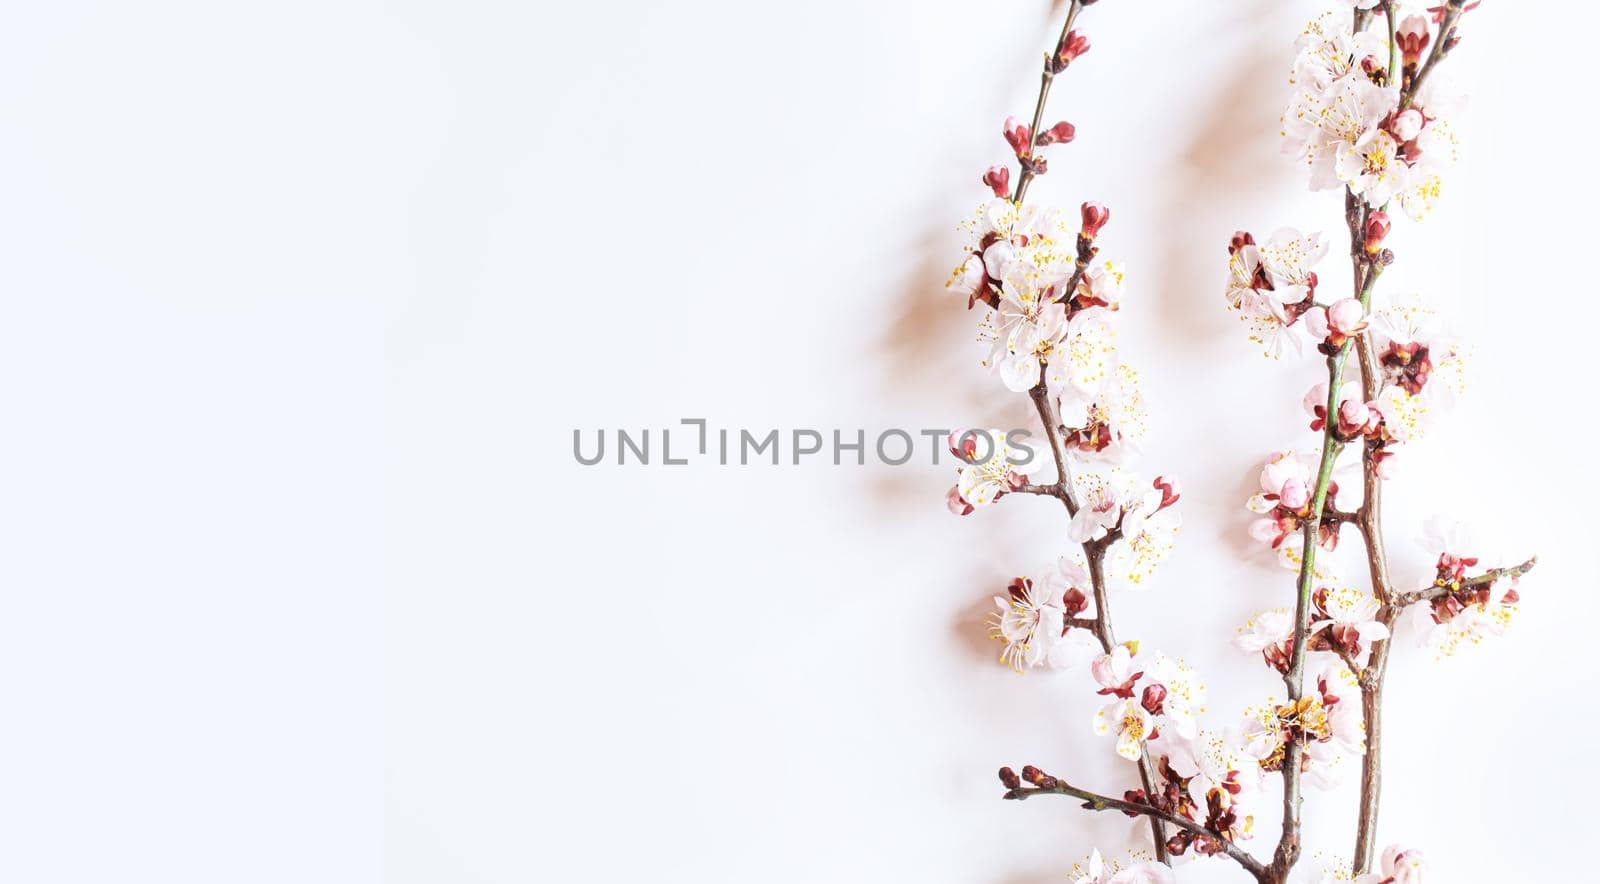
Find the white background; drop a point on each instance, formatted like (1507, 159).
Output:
(303, 301)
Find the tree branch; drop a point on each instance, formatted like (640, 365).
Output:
(1406, 599)
(1097, 802)
(1045, 79)
(1049, 416)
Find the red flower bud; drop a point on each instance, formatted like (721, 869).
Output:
(1095, 217)
(1020, 137)
(1009, 778)
(1154, 696)
(1412, 37)
(1072, 46)
(1061, 133)
(999, 180)
(1241, 238)
(1075, 603)
(1377, 228)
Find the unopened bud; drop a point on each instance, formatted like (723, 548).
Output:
(1407, 125)
(1072, 46)
(1294, 494)
(1061, 133)
(1095, 217)
(1018, 136)
(1009, 778)
(1241, 238)
(999, 180)
(1412, 37)
(1154, 696)
(1347, 317)
(1353, 418)
(1376, 230)
(1074, 602)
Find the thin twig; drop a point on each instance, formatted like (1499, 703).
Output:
(1438, 590)
(1097, 802)
(1045, 79)
(1050, 418)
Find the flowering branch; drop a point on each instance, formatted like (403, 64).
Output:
(1368, 118)
(1049, 301)
(1439, 590)
(1044, 784)
(1068, 46)
(1053, 64)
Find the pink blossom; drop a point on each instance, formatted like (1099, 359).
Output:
(957, 504)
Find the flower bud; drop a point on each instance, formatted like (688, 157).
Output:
(1241, 238)
(1154, 696)
(1072, 46)
(1407, 125)
(1346, 317)
(1074, 602)
(1412, 37)
(1034, 775)
(999, 180)
(1353, 418)
(1294, 494)
(1377, 228)
(1018, 136)
(1009, 778)
(1095, 217)
(1061, 133)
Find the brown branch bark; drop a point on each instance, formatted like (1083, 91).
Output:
(1097, 802)
(1062, 489)
(1370, 517)
(1094, 552)
(1045, 80)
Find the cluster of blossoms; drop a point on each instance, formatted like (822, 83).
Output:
(992, 463)
(1352, 126)
(1049, 299)
(1367, 115)
(1462, 607)
(1284, 505)
(1033, 620)
(1326, 723)
(1146, 693)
